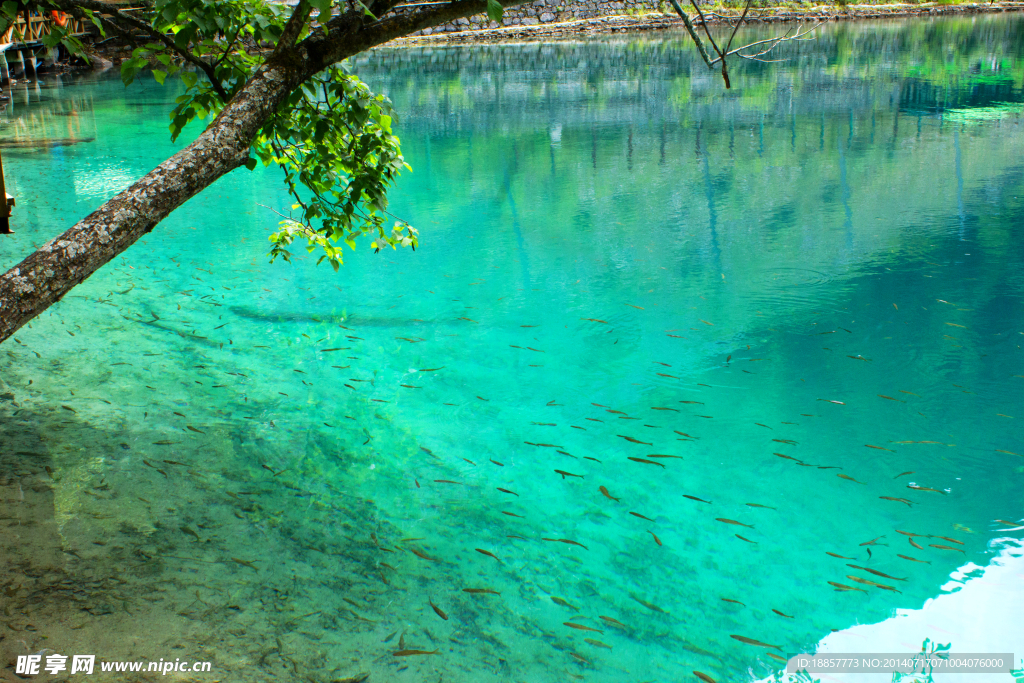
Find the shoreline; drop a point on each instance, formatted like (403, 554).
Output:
(658, 21)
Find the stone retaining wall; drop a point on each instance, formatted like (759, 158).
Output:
(556, 18)
(549, 12)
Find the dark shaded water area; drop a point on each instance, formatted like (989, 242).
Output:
(673, 364)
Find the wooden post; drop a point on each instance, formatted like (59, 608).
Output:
(8, 203)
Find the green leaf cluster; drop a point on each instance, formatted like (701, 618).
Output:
(215, 47)
(333, 138)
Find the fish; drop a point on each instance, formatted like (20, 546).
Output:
(703, 676)
(910, 533)
(742, 538)
(890, 398)
(487, 553)
(871, 583)
(568, 474)
(787, 457)
(542, 445)
(828, 400)
(848, 478)
(662, 374)
(632, 440)
(656, 539)
(786, 441)
(699, 500)
(614, 622)
(648, 605)
(731, 600)
(776, 657)
(447, 481)
(915, 544)
(564, 603)
(897, 500)
(245, 563)
(595, 320)
(732, 521)
(1003, 521)
(999, 450)
(422, 555)
(507, 491)
(688, 436)
(843, 587)
(944, 538)
(781, 614)
(407, 653)
(879, 448)
(438, 610)
(480, 591)
(758, 505)
(913, 559)
(874, 541)
(567, 541)
(751, 641)
(580, 658)
(597, 643)
(637, 514)
(660, 408)
(649, 462)
(841, 557)
(945, 547)
(925, 488)
(581, 627)
(190, 532)
(902, 474)
(876, 573)
(608, 495)
(512, 514)
(677, 457)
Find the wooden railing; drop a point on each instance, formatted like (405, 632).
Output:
(39, 26)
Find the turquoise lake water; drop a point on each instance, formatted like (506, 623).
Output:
(780, 325)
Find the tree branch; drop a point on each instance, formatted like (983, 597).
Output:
(694, 36)
(105, 8)
(293, 28)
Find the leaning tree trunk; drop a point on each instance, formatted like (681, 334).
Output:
(59, 265)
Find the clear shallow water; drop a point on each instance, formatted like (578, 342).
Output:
(822, 263)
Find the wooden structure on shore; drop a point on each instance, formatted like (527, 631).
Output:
(23, 40)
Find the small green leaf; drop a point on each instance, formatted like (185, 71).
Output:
(159, 76)
(324, 6)
(250, 163)
(495, 11)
